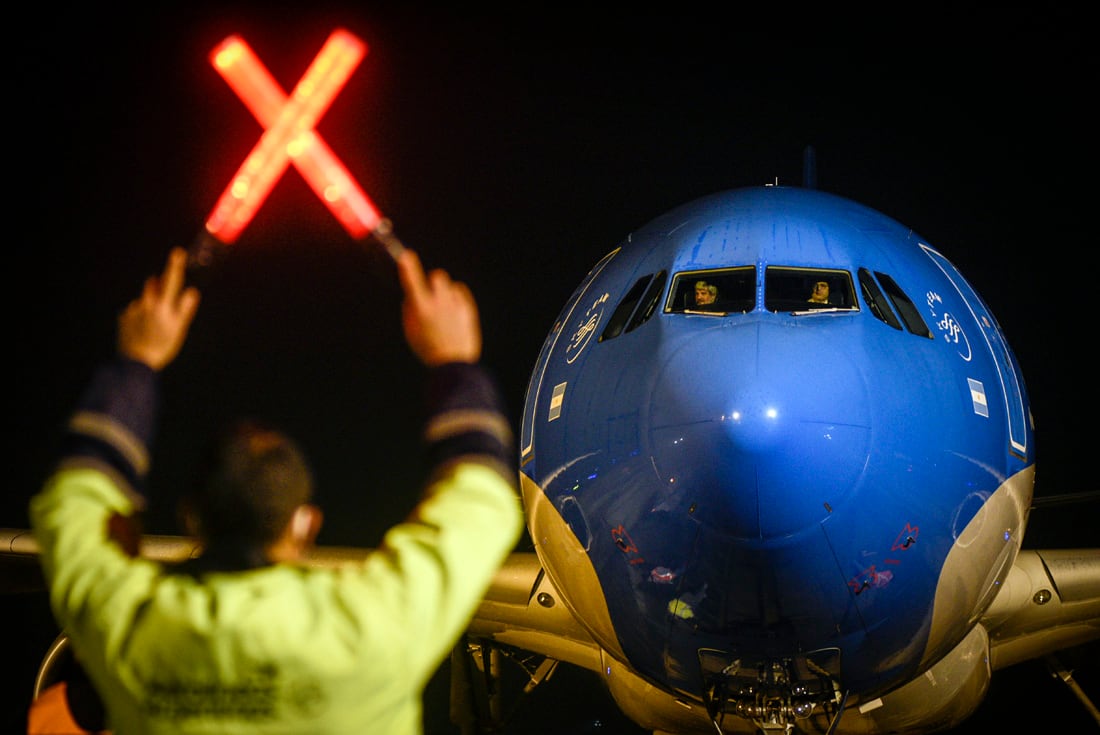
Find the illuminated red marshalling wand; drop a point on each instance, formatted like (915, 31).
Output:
(287, 130)
(289, 137)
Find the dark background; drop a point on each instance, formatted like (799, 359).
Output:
(514, 148)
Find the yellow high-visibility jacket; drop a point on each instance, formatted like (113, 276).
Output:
(279, 648)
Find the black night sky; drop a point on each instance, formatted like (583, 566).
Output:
(515, 147)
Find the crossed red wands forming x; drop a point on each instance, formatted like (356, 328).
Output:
(289, 137)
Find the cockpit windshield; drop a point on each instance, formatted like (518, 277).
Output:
(807, 289)
(713, 292)
(786, 289)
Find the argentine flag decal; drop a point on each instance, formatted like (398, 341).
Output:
(556, 399)
(977, 394)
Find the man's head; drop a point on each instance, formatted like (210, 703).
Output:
(254, 484)
(820, 294)
(705, 293)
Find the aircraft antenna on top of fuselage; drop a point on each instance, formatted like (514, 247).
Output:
(809, 167)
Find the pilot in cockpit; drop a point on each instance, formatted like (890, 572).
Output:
(820, 293)
(705, 294)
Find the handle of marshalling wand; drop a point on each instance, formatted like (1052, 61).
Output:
(383, 234)
(205, 252)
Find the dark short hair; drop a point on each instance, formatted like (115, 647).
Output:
(252, 480)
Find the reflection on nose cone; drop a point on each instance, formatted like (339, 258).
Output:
(774, 452)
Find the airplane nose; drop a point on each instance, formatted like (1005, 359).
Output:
(784, 411)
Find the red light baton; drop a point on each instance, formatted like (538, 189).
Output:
(289, 137)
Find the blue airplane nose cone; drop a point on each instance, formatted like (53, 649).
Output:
(789, 446)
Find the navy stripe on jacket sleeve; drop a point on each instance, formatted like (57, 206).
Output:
(466, 418)
(114, 422)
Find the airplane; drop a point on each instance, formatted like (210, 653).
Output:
(767, 514)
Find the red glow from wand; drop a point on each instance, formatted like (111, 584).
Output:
(290, 137)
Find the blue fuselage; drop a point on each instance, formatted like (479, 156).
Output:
(775, 481)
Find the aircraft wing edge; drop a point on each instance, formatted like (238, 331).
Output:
(523, 609)
(1049, 601)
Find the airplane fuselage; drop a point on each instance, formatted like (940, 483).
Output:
(767, 504)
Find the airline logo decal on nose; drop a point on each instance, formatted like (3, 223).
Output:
(952, 330)
(582, 335)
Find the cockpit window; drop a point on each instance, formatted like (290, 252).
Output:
(636, 307)
(713, 292)
(906, 308)
(872, 294)
(807, 289)
(649, 301)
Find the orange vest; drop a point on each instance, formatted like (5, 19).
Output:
(49, 714)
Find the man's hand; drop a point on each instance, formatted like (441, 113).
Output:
(153, 326)
(439, 315)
